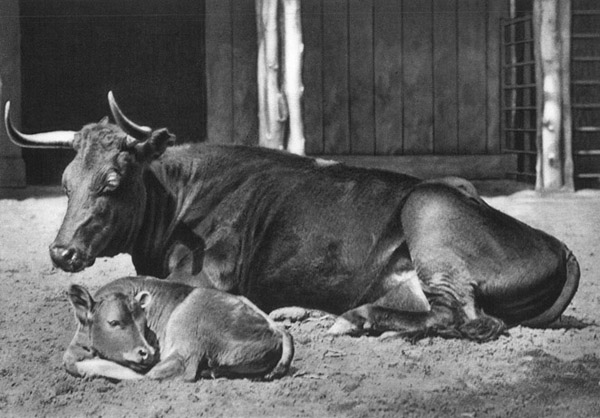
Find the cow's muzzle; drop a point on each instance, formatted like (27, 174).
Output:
(69, 258)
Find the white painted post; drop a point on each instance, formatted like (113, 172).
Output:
(271, 128)
(554, 170)
(293, 87)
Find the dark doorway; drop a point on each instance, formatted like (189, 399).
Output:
(149, 52)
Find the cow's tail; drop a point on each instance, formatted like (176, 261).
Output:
(287, 344)
(564, 298)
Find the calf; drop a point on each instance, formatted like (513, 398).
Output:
(137, 327)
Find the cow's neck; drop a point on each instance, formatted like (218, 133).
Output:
(171, 188)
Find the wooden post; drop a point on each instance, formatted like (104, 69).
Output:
(12, 166)
(293, 88)
(553, 163)
(564, 15)
(271, 128)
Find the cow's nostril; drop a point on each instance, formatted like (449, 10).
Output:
(143, 353)
(62, 254)
(67, 254)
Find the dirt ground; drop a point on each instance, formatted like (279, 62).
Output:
(531, 373)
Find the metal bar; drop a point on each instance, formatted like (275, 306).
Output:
(521, 151)
(521, 129)
(585, 83)
(586, 106)
(516, 20)
(588, 129)
(519, 173)
(519, 42)
(585, 36)
(519, 86)
(588, 175)
(589, 152)
(586, 59)
(519, 64)
(519, 108)
(586, 12)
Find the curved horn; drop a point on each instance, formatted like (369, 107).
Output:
(54, 139)
(132, 128)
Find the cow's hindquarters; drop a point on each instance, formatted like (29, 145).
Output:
(568, 292)
(514, 272)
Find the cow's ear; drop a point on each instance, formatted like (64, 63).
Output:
(144, 298)
(103, 121)
(82, 303)
(154, 146)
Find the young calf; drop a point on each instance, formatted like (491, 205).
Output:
(137, 327)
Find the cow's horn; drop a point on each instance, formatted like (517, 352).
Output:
(132, 128)
(54, 139)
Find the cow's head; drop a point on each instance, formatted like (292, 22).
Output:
(116, 326)
(104, 184)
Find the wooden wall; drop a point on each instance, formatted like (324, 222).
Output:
(382, 77)
(149, 52)
(231, 50)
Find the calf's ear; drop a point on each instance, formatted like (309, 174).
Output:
(143, 299)
(82, 303)
(154, 146)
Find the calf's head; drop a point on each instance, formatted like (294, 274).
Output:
(116, 326)
(104, 184)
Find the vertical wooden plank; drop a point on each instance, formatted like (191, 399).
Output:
(387, 57)
(219, 66)
(472, 86)
(312, 32)
(360, 55)
(445, 73)
(496, 11)
(335, 77)
(244, 83)
(418, 77)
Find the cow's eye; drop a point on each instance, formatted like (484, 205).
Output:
(114, 323)
(111, 182)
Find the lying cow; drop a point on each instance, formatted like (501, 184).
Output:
(385, 251)
(136, 324)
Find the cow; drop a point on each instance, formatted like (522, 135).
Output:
(137, 327)
(384, 251)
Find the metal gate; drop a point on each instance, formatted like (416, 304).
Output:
(585, 92)
(519, 116)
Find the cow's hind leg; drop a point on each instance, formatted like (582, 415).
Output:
(447, 315)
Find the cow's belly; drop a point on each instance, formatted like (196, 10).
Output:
(328, 270)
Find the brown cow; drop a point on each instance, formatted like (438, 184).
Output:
(141, 326)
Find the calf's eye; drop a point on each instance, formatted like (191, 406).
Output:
(114, 323)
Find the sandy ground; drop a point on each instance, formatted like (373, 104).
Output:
(531, 373)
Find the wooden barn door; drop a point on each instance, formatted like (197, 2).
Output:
(149, 52)
(410, 77)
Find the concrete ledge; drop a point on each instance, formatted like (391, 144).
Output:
(493, 166)
(12, 171)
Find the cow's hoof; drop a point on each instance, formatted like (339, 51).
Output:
(292, 314)
(344, 327)
(485, 328)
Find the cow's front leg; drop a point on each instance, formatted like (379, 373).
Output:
(172, 366)
(98, 367)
